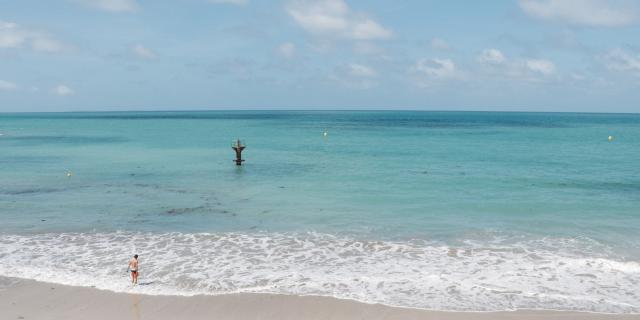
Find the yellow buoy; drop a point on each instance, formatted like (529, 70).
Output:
(610, 138)
(69, 174)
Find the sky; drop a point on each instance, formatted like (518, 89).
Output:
(513, 55)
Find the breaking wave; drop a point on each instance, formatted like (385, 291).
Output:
(560, 273)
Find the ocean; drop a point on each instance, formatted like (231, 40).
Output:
(474, 211)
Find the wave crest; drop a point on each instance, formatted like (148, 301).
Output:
(536, 274)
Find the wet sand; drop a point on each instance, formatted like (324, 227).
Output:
(27, 299)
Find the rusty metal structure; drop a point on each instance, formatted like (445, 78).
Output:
(238, 146)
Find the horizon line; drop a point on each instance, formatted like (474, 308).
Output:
(317, 110)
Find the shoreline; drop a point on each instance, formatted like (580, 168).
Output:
(30, 299)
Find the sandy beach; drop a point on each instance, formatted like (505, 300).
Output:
(27, 299)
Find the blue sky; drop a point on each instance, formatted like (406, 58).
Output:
(520, 55)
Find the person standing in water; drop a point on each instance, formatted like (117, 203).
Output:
(133, 268)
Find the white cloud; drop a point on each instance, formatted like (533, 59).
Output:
(287, 50)
(429, 72)
(368, 29)
(577, 76)
(335, 18)
(143, 52)
(368, 47)
(111, 5)
(13, 35)
(321, 16)
(544, 67)
(47, 45)
(582, 12)
(439, 44)
(491, 56)
(233, 2)
(622, 61)
(527, 69)
(355, 76)
(7, 86)
(436, 68)
(62, 90)
(358, 70)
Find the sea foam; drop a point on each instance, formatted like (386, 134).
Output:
(533, 274)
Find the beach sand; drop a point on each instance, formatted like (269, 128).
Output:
(27, 299)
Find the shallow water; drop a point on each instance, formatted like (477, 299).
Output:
(440, 210)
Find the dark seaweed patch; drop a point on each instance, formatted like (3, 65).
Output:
(181, 211)
(202, 209)
(81, 140)
(29, 159)
(364, 119)
(30, 191)
(599, 185)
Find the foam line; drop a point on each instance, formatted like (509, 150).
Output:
(559, 274)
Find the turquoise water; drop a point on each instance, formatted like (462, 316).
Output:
(422, 197)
